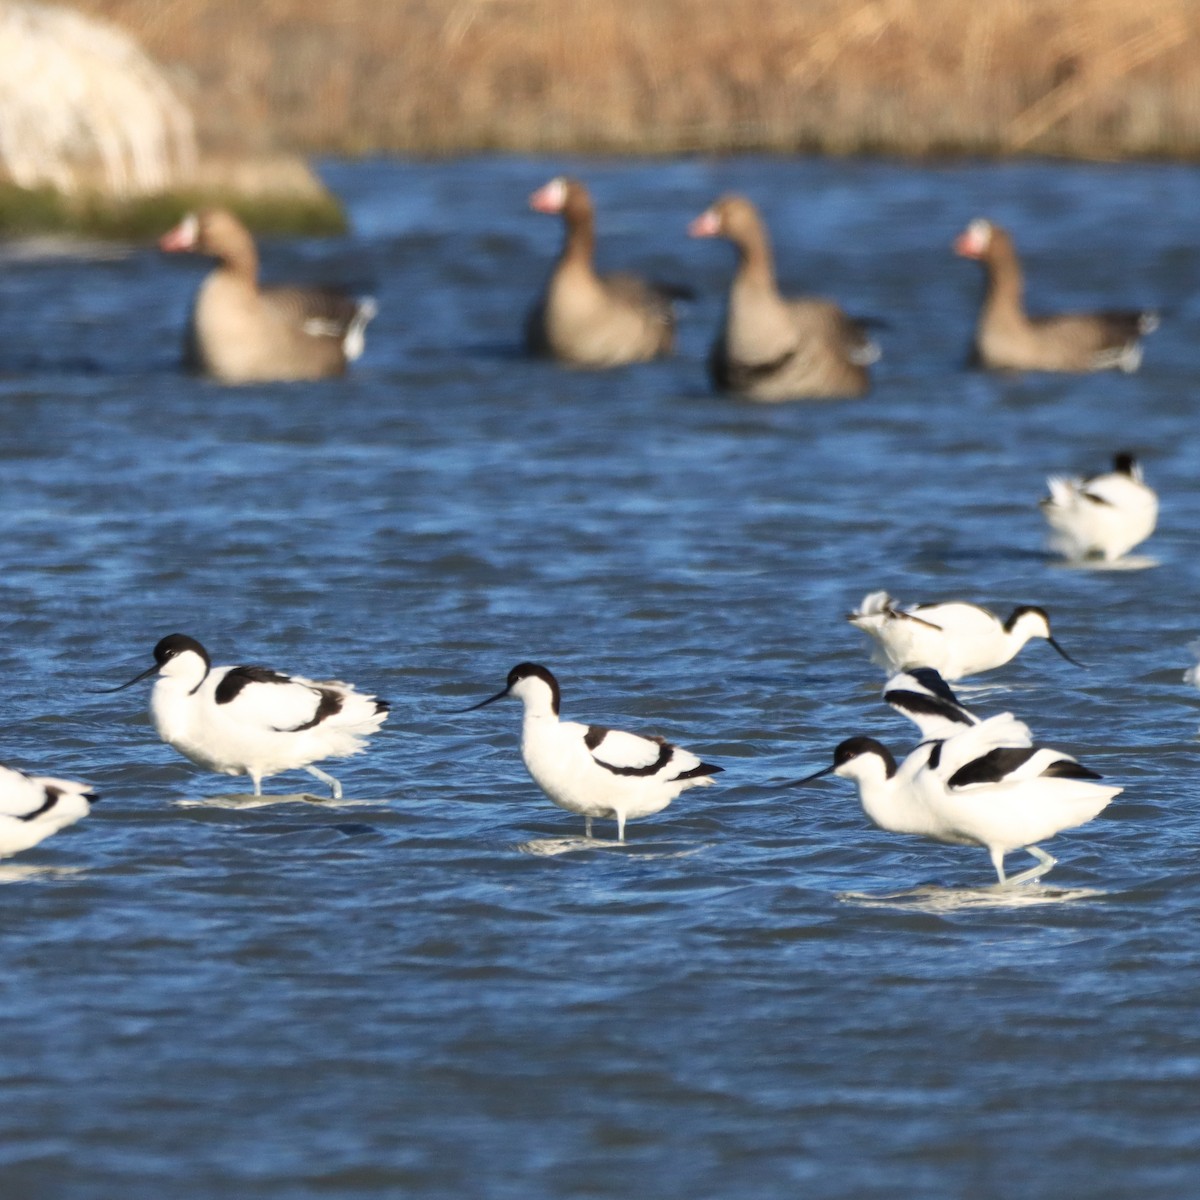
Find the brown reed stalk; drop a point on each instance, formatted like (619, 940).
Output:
(1094, 78)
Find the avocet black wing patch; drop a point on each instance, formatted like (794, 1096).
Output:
(992, 767)
(52, 797)
(26, 797)
(997, 765)
(927, 677)
(919, 704)
(263, 698)
(1068, 768)
(923, 696)
(331, 702)
(238, 678)
(627, 753)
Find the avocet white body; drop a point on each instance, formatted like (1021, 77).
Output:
(32, 807)
(1102, 517)
(251, 720)
(591, 770)
(975, 788)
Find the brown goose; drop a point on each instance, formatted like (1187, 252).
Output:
(1007, 338)
(772, 348)
(592, 320)
(240, 332)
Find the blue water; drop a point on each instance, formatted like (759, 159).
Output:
(391, 998)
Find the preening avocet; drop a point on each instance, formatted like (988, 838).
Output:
(956, 638)
(591, 770)
(1102, 517)
(975, 789)
(251, 720)
(32, 807)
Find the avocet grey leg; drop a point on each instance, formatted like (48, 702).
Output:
(324, 777)
(1045, 862)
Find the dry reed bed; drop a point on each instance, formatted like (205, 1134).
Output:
(80, 100)
(1094, 78)
(93, 138)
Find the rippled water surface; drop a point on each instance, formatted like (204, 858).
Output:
(391, 998)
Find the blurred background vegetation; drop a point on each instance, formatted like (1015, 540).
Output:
(244, 89)
(1087, 78)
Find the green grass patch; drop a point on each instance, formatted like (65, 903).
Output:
(25, 212)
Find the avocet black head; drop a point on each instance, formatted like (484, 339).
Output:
(1034, 621)
(518, 684)
(168, 650)
(1125, 463)
(849, 751)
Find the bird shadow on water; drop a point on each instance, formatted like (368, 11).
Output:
(932, 899)
(249, 801)
(551, 847)
(1131, 562)
(29, 873)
